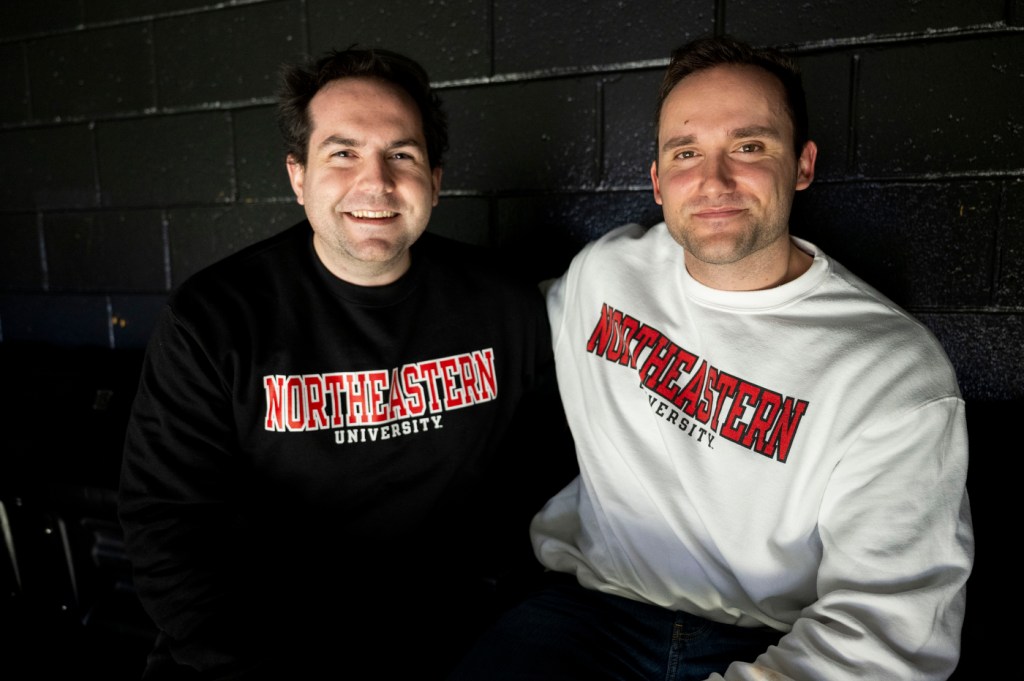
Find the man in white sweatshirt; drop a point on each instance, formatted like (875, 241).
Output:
(772, 454)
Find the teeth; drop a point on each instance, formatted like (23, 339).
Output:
(373, 214)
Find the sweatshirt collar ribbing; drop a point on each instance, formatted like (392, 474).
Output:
(763, 300)
(369, 296)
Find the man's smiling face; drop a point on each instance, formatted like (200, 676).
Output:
(367, 185)
(726, 171)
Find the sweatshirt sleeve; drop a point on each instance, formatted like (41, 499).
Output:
(898, 547)
(181, 532)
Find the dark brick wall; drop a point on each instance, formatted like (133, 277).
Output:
(139, 144)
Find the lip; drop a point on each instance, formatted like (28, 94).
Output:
(717, 213)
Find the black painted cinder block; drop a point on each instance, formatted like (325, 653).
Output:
(119, 10)
(21, 262)
(463, 219)
(826, 81)
(166, 160)
(768, 22)
(942, 107)
(923, 245)
(535, 35)
(535, 135)
(259, 155)
(201, 236)
(987, 351)
(38, 16)
(55, 319)
(99, 71)
(133, 318)
(105, 251)
(630, 103)
(451, 40)
(1010, 263)
(226, 56)
(31, 177)
(14, 85)
(544, 232)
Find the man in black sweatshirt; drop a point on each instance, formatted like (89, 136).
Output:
(333, 452)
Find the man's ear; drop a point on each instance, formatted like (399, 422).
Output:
(296, 175)
(654, 183)
(435, 175)
(805, 165)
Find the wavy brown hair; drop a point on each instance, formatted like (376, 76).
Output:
(301, 82)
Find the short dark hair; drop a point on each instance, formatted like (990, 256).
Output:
(301, 82)
(709, 52)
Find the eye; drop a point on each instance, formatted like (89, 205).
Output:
(341, 154)
(406, 156)
(750, 147)
(687, 153)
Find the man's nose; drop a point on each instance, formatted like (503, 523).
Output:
(376, 176)
(717, 175)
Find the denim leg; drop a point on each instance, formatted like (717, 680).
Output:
(701, 647)
(558, 634)
(567, 633)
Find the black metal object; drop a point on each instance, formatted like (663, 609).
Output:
(68, 603)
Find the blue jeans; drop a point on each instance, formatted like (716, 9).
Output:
(564, 632)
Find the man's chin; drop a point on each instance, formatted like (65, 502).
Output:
(379, 250)
(720, 248)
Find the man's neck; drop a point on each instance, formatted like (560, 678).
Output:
(363, 273)
(768, 268)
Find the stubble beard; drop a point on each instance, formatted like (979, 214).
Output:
(730, 244)
(355, 247)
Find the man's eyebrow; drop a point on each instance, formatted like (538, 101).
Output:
(680, 141)
(411, 142)
(338, 140)
(755, 131)
(736, 133)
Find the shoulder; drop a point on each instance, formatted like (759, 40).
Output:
(901, 344)
(628, 251)
(462, 265)
(264, 253)
(623, 244)
(631, 235)
(252, 273)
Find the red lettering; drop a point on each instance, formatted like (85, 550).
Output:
(483, 361)
(274, 388)
(449, 381)
(358, 409)
(414, 403)
(430, 371)
(725, 386)
(629, 329)
(316, 415)
(603, 332)
(468, 379)
(334, 393)
(765, 412)
(646, 337)
(745, 393)
(689, 396)
(658, 361)
(295, 418)
(781, 438)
